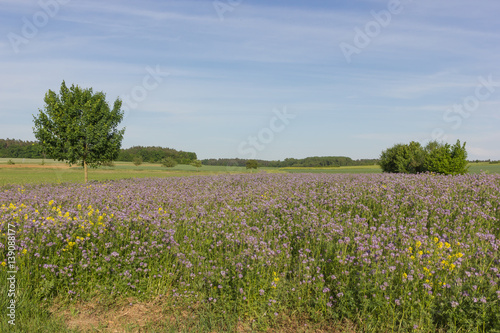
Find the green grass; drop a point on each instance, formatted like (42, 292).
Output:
(51, 172)
(31, 171)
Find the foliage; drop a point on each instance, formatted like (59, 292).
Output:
(79, 127)
(168, 162)
(446, 159)
(403, 158)
(12, 148)
(313, 162)
(252, 164)
(155, 155)
(137, 160)
(197, 164)
(434, 157)
(10, 162)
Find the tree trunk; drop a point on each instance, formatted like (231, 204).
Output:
(85, 170)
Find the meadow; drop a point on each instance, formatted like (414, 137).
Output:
(30, 171)
(256, 252)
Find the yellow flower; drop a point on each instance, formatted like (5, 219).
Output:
(459, 255)
(447, 245)
(410, 249)
(4, 263)
(420, 253)
(440, 245)
(452, 266)
(405, 275)
(436, 240)
(51, 202)
(418, 244)
(24, 251)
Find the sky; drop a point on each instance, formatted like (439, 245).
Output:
(263, 79)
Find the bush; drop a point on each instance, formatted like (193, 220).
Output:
(435, 157)
(403, 158)
(446, 159)
(252, 164)
(137, 160)
(196, 163)
(108, 164)
(168, 162)
(10, 162)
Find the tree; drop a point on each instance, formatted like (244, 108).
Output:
(435, 157)
(78, 126)
(252, 164)
(403, 158)
(137, 160)
(446, 159)
(197, 164)
(168, 162)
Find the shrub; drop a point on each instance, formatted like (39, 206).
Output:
(435, 157)
(137, 160)
(252, 164)
(403, 158)
(10, 162)
(196, 163)
(446, 159)
(168, 162)
(108, 164)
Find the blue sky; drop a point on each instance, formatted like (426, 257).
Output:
(264, 79)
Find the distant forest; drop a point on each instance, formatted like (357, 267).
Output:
(11, 148)
(311, 162)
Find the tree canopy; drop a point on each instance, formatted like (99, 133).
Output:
(434, 157)
(78, 126)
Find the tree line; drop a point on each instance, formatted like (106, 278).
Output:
(310, 162)
(13, 148)
(155, 155)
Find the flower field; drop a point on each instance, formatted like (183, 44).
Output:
(386, 252)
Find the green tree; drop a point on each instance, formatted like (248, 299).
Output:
(78, 126)
(197, 164)
(435, 157)
(137, 160)
(446, 159)
(252, 164)
(168, 162)
(403, 158)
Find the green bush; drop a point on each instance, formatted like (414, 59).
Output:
(137, 160)
(252, 164)
(434, 157)
(168, 162)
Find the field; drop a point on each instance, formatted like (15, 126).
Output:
(254, 252)
(32, 171)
